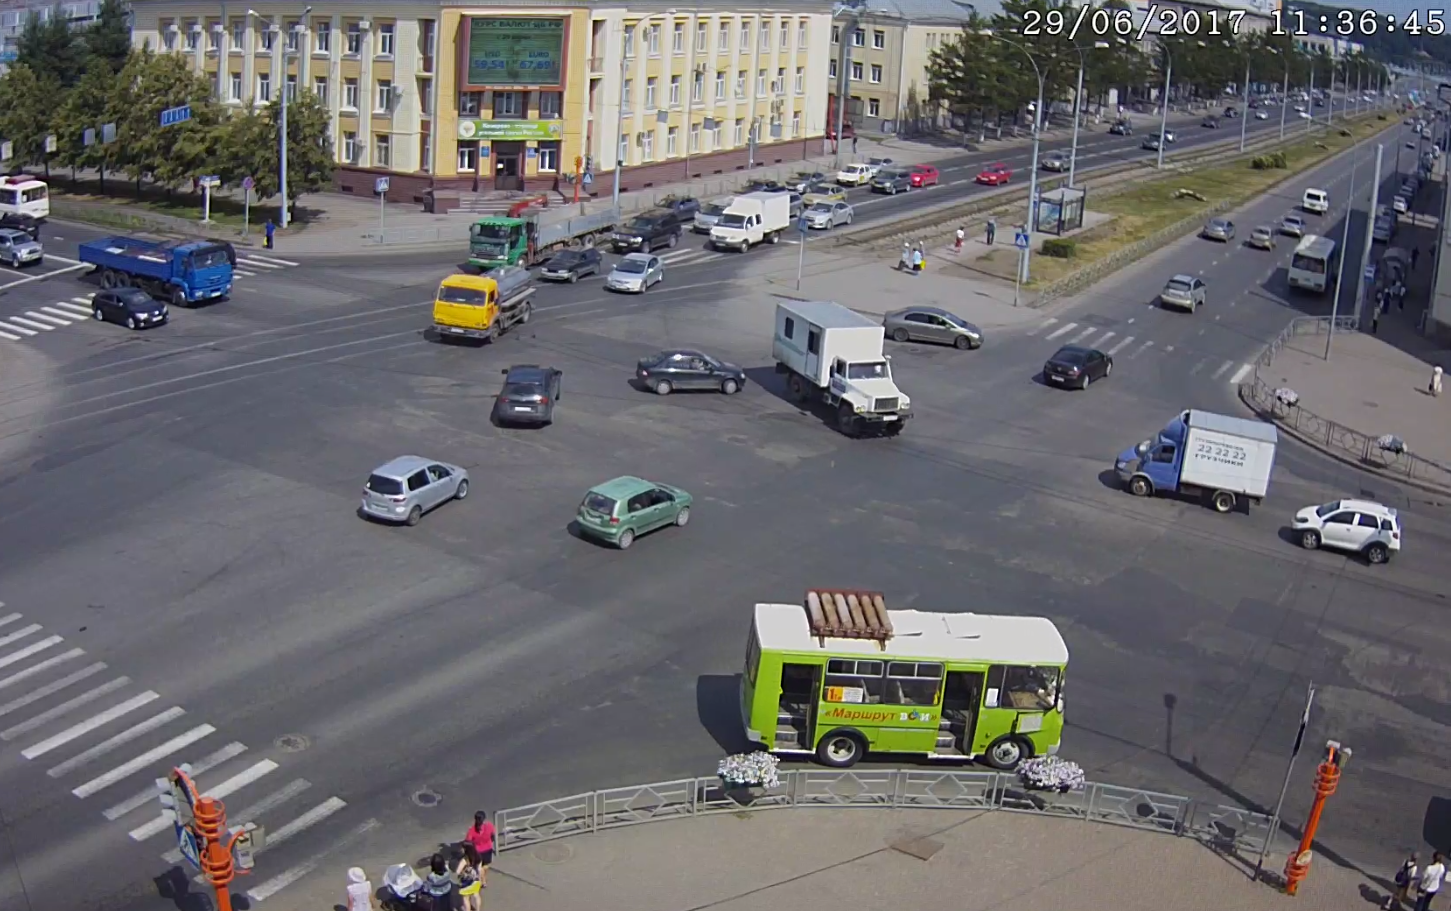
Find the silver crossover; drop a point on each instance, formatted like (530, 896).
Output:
(409, 486)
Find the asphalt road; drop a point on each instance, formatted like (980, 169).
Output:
(178, 506)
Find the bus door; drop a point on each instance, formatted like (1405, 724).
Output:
(800, 693)
(960, 700)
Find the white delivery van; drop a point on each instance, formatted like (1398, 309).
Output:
(1219, 457)
(832, 354)
(1316, 201)
(750, 219)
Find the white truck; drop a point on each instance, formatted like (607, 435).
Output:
(833, 355)
(1215, 456)
(750, 219)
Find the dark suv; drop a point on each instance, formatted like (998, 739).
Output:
(681, 208)
(647, 232)
(528, 396)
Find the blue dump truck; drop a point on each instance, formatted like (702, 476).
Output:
(181, 272)
(1215, 456)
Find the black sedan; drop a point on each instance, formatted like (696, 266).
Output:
(131, 307)
(1072, 365)
(1211, 122)
(572, 265)
(669, 371)
(528, 396)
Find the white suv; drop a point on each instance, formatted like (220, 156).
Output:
(1358, 525)
(1317, 201)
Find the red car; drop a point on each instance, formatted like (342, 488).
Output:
(924, 175)
(994, 174)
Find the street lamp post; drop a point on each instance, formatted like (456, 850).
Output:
(1244, 106)
(1344, 240)
(843, 81)
(1077, 111)
(285, 215)
(1164, 108)
(1285, 100)
(625, 56)
(1310, 102)
(1023, 270)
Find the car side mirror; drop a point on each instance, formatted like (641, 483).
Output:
(505, 371)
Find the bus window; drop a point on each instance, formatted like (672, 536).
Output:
(10, 198)
(1312, 264)
(1030, 687)
(34, 194)
(753, 656)
(848, 680)
(913, 684)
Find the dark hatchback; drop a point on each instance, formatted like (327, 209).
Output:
(131, 307)
(1075, 366)
(572, 265)
(680, 370)
(528, 396)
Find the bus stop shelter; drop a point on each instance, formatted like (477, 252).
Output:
(1061, 211)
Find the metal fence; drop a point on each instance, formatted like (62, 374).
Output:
(1223, 828)
(1323, 432)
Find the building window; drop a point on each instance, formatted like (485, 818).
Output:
(738, 133)
(468, 102)
(876, 74)
(801, 34)
(836, 34)
(629, 42)
(350, 94)
(294, 35)
(239, 34)
(548, 157)
(879, 40)
(291, 87)
(652, 37)
(697, 89)
(764, 42)
(168, 35)
(622, 153)
(214, 38)
(785, 36)
(740, 83)
(468, 157)
(831, 69)
(551, 105)
(745, 37)
(511, 104)
(236, 87)
(650, 84)
(425, 97)
(675, 91)
(714, 134)
(677, 39)
(694, 138)
(647, 145)
(780, 81)
(874, 107)
(193, 35)
(385, 97)
(428, 41)
(355, 39)
(795, 124)
(702, 38)
(264, 88)
(856, 69)
(858, 38)
(350, 147)
(425, 152)
(382, 151)
(760, 82)
(723, 38)
(386, 36)
(672, 142)
(319, 87)
(799, 85)
(627, 96)
(268, 37)
(720, 85)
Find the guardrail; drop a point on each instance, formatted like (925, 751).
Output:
(1223, 828)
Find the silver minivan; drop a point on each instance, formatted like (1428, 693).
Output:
(409, 486)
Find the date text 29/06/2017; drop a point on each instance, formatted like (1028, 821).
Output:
(1126, 24)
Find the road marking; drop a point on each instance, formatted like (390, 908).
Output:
(286, 878)
(1240, 374)
(1123, 343)
(304, 822)
(25, 332)
(257, 257)
(1145, 347)
(244, 273)
(41, 668)
(1197, 367)
(90, 724)
(257, 263)
(63, 315)
(206, 763)
(9, 618)
(1101, 340)
(1081, 336)
(162, 822)
(42, 277)
(121, 772)
(47, 319)
(7, 335)
(1168, 348)
(20, 633)
(51, 688)
(82, 309)
(1045, 324)
(1062, 331)
(1222, 369)
(34, 325)
(51, 714)
(29, 650)
(126, 736)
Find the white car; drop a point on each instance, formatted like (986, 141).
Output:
(1317, 201)
(854, 175)
(1400, 205)
(1292, 225)
(1261, 115)
(827, 215)
(635, 273)
(1362, 526)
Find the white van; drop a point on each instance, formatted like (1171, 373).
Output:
(1317, 201)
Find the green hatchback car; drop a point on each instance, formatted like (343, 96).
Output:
(621, 510)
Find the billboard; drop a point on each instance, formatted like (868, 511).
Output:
(514, 51)
(512, 130)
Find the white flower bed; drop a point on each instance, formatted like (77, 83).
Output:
(1049, 773)
(750, 770)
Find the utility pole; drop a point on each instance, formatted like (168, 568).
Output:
(1360, 284)
(1164, 110)
(1327, 779)
(1344, 245)
(1289, 770)
(1285, 100)
(1244, 106)
(1310, 102)
(843, 78)
(300, 31)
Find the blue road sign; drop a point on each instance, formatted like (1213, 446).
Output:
(89, 137)
(186, 843)
(801, 225)
(1020, 240)
(1370, 272)
(248, 183)
(176, 115)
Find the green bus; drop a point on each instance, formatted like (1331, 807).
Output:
(840, 676)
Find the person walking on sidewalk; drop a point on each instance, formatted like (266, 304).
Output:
(1435, 386)
(359, 891)
(1375, 322)
(1415, 257)
(479, 846)
(1430, 883)
(853, 143)
(904, 263)
(438, 884)
(1405, 883)
(957, 245)
(917, 259)
(992, 230)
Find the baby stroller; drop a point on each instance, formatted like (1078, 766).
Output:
(405, 890)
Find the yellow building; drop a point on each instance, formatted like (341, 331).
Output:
(524, 96)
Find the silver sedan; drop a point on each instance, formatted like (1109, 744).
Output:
(1219, 229)
(827, 215)
(635, 273)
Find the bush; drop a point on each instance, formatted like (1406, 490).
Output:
(1060, 247)
(1269, 162)
(1380, 117)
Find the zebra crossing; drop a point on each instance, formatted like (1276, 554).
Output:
(1120, 345)
(51, 688)
(59, 314)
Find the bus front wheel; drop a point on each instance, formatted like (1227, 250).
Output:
(1006, 753)
(840, 749)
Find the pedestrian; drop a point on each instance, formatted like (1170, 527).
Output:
(469, 884)
(992, 229)
(904, 263)
(360, 891)
(1415, 257)
(270, 227)
(479, 846)
(439, 884)
(853, 143)
(1375, 322)
(1405, 883)
(1430, 882)
(1401, 296)
(1435, 386)
(916, 260)
(957, 245)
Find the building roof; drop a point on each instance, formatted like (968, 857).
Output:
(931, 10)
(924, 634)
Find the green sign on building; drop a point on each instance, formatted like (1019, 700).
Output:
(515, 51)
(510, 130)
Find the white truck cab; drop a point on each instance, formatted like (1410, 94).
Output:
(750, 219)
(832, 354)
(1317, 201)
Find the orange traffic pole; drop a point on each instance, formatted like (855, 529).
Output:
(216, 855)
(1327, 778)
(578, 177)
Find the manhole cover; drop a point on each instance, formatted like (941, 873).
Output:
(554, 853)
(427, 798)
(293, 743)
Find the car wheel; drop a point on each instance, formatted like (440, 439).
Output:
(131, 322)
(962, 343)
(96, 315)
(1222, 501)
(798, 388)
(1006, 753)
(1377, 553)
(683, 516)
(849, 218)
(900, 335)
(573, 277)
(462, 490)
(663, 387)
(730, 387)
(1310, 539)
(1083, 383)
(1140, 486)
(415, 515)
(840, 750)
(626, 538)
(674, 239)
(1108, 368)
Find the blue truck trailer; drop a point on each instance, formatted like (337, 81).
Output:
(182, 272)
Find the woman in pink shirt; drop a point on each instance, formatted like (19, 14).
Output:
(479, 845)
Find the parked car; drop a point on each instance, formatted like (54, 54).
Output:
(1293, 225)
(892, 182)
(528, 395)
(620, 510)
(825, 194)
(924, 175)
(1186, 292)
(1262, 237)
(636, 273)
(932, 324)
(1384, 229)
(1054, 161)
(572, 265)
(854, 175)
(1361, 526)
(18, 248)
(1218, 228)
(130, 307)
(1400, 205)
(826, 215)
(879, 164)
(405, 488)
(995, 174)
(680, 209)
(647, 232)
(682, 369)
(1072, 365)
(709, 215)
(807, 181)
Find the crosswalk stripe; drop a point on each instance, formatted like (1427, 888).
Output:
(244, 273)
(9, 619)
(1197, 367)
(124, 771)
(211, 761)
(83, 301)
(132, 733)
(256, 263)
(162, 822)
(271, 887)
(83, 309)
(250, 814)
(47, 320)
(1142, 348)
(51, 688)
(45, 717)
(84, 727)
(1044, 325)
(304, 822)
(20, 633)
(42, 667)
(63, 316)
(1123, 343)
(268, 259)
(1222, 369)
(1064, 330)
(7, 335)
(1240, 374)
(11, 325)
(1102, 340)
(1081, 336)
(22, 321)
(29, 650)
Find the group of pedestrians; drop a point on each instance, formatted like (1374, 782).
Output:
(466, 880)
(1417, 887)
(913, 259)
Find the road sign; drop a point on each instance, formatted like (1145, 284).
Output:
(1020, 240)
(248, 183)
(172, 116)
(801, 225)
(7, 150)
(186, 843)
(1370, 272)
(108, 133)
(50, 143)
(88, 138)
(211, 180)
(380, 185)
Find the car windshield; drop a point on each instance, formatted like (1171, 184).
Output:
(821, 208)
(489, 232)
(598, 503)
(15, 237)
(1179, 287)
(634, 266)
(136, 298)
(211, 256)
(867, 370)
(1261, 232)
(712, 209)
(522, 390)
(387, 486)
(1293, 222)
(733, 220)
(1327, 509)
(452, 295)
(643, 224)
(1218, 224)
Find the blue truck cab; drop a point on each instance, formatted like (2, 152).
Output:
(182, 272)
(1223, 459)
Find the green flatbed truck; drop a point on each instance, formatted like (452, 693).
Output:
(499, 240)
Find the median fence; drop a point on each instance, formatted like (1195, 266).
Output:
(1231, 830)
(1337, 439)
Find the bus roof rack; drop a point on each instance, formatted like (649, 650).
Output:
(843, 614)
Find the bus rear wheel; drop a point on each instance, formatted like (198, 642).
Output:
(1006, 753)
(840, 749)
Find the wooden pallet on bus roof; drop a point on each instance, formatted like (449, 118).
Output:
(847, 614)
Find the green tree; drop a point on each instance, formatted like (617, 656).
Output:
(27, 101)
(147, 85)
(1120, 65)
(51, 49)
(87, 107)
(968, 73)
(109, 37)
(248, 146)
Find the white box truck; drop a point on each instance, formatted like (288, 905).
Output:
(750, 219)
(833, 355)
(1215, 456)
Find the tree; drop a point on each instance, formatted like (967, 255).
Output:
(109, 37)
(87, 107)
(51, 50)
(148, 84)
(248, 147)
(970, 75)
(27, 101)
